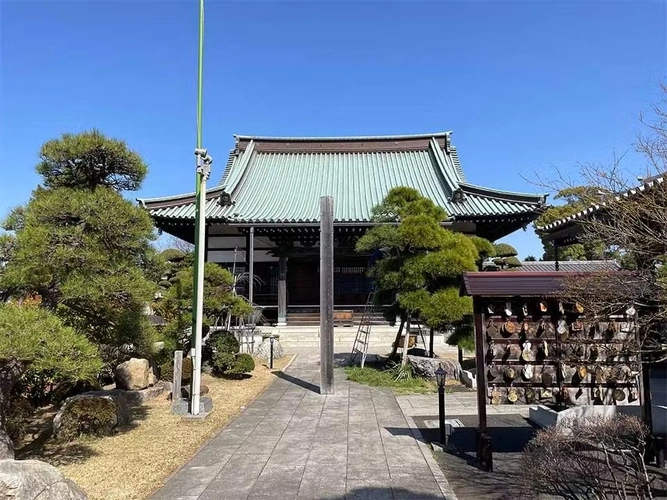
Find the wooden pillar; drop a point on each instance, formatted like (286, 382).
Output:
(206, 243)
(430, 334)
(484, 449)
(556, 256)
(481, 372)
(326, 296)
(251, 266)
(282, 290)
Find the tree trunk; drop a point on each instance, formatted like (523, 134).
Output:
(398, 338)
(10, 372)
(406, 340)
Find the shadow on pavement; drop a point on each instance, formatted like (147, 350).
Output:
(509, 434)
(297, 381)
(378, 493)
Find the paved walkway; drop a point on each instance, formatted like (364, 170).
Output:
(456, 403)
(292, 443)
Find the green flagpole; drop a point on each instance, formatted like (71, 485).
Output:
(203, 170)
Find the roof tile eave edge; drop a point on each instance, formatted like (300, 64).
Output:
(511, 195)
(341, 139)
(146, 202)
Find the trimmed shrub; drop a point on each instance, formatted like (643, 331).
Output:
(167, 370)
(17, 417)
(242, 364)
(222, 362)
(88, 416)
(232, 365)
(219, 341)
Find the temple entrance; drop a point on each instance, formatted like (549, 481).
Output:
(351, 285)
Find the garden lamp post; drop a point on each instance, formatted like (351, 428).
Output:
(440, 379)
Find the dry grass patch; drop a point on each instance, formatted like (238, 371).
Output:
(140, 458)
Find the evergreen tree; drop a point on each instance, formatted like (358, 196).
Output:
(576, 199)
(85, 249)
(34, 338)
(423, 263)
(219, 301)
(506, 256)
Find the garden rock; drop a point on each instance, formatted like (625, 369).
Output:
(118, 397)
(426, 367)
(35, 480)
(263, 351)
(133, 374)
(137, 398)
(6, 446)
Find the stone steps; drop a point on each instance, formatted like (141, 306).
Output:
(307, 337)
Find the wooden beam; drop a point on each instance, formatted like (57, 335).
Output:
(326, 296)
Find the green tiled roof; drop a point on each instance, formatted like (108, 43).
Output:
(280, 180)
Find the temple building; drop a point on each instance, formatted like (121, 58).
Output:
(263, 216)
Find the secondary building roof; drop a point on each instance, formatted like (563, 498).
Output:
(566, 225)
(571, 266)
(270, 180)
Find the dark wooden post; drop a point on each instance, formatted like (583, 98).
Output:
(556, 257)
(251, 266)
(282, 290)
(326, 295)
(206, 243)
(484, 450)
(430, 334)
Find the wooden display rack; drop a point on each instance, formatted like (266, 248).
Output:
(533, 349)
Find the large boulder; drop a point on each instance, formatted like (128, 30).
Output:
(134, 374)
(263, 351)
(426, 367)
(35, 480)
(117, 397)
(6, 446)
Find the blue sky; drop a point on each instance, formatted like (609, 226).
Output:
(526, 86)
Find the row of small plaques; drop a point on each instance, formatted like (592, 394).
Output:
(534, 308)
(570, 395)
(569, 374)
(549, 351)
(561, 330)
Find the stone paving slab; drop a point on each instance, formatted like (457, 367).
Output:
(291, 443)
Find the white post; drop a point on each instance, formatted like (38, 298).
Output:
(203, 161)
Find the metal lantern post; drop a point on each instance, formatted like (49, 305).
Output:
(440, 378)
(271, 352)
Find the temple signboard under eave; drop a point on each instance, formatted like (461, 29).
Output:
(273, 185)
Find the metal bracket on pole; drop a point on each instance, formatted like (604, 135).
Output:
(203, 162)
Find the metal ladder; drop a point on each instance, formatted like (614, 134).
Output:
(360, 346)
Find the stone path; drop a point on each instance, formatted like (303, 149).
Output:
(292, 443)
(456, 403)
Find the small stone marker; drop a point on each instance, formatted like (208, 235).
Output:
(178, 374)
